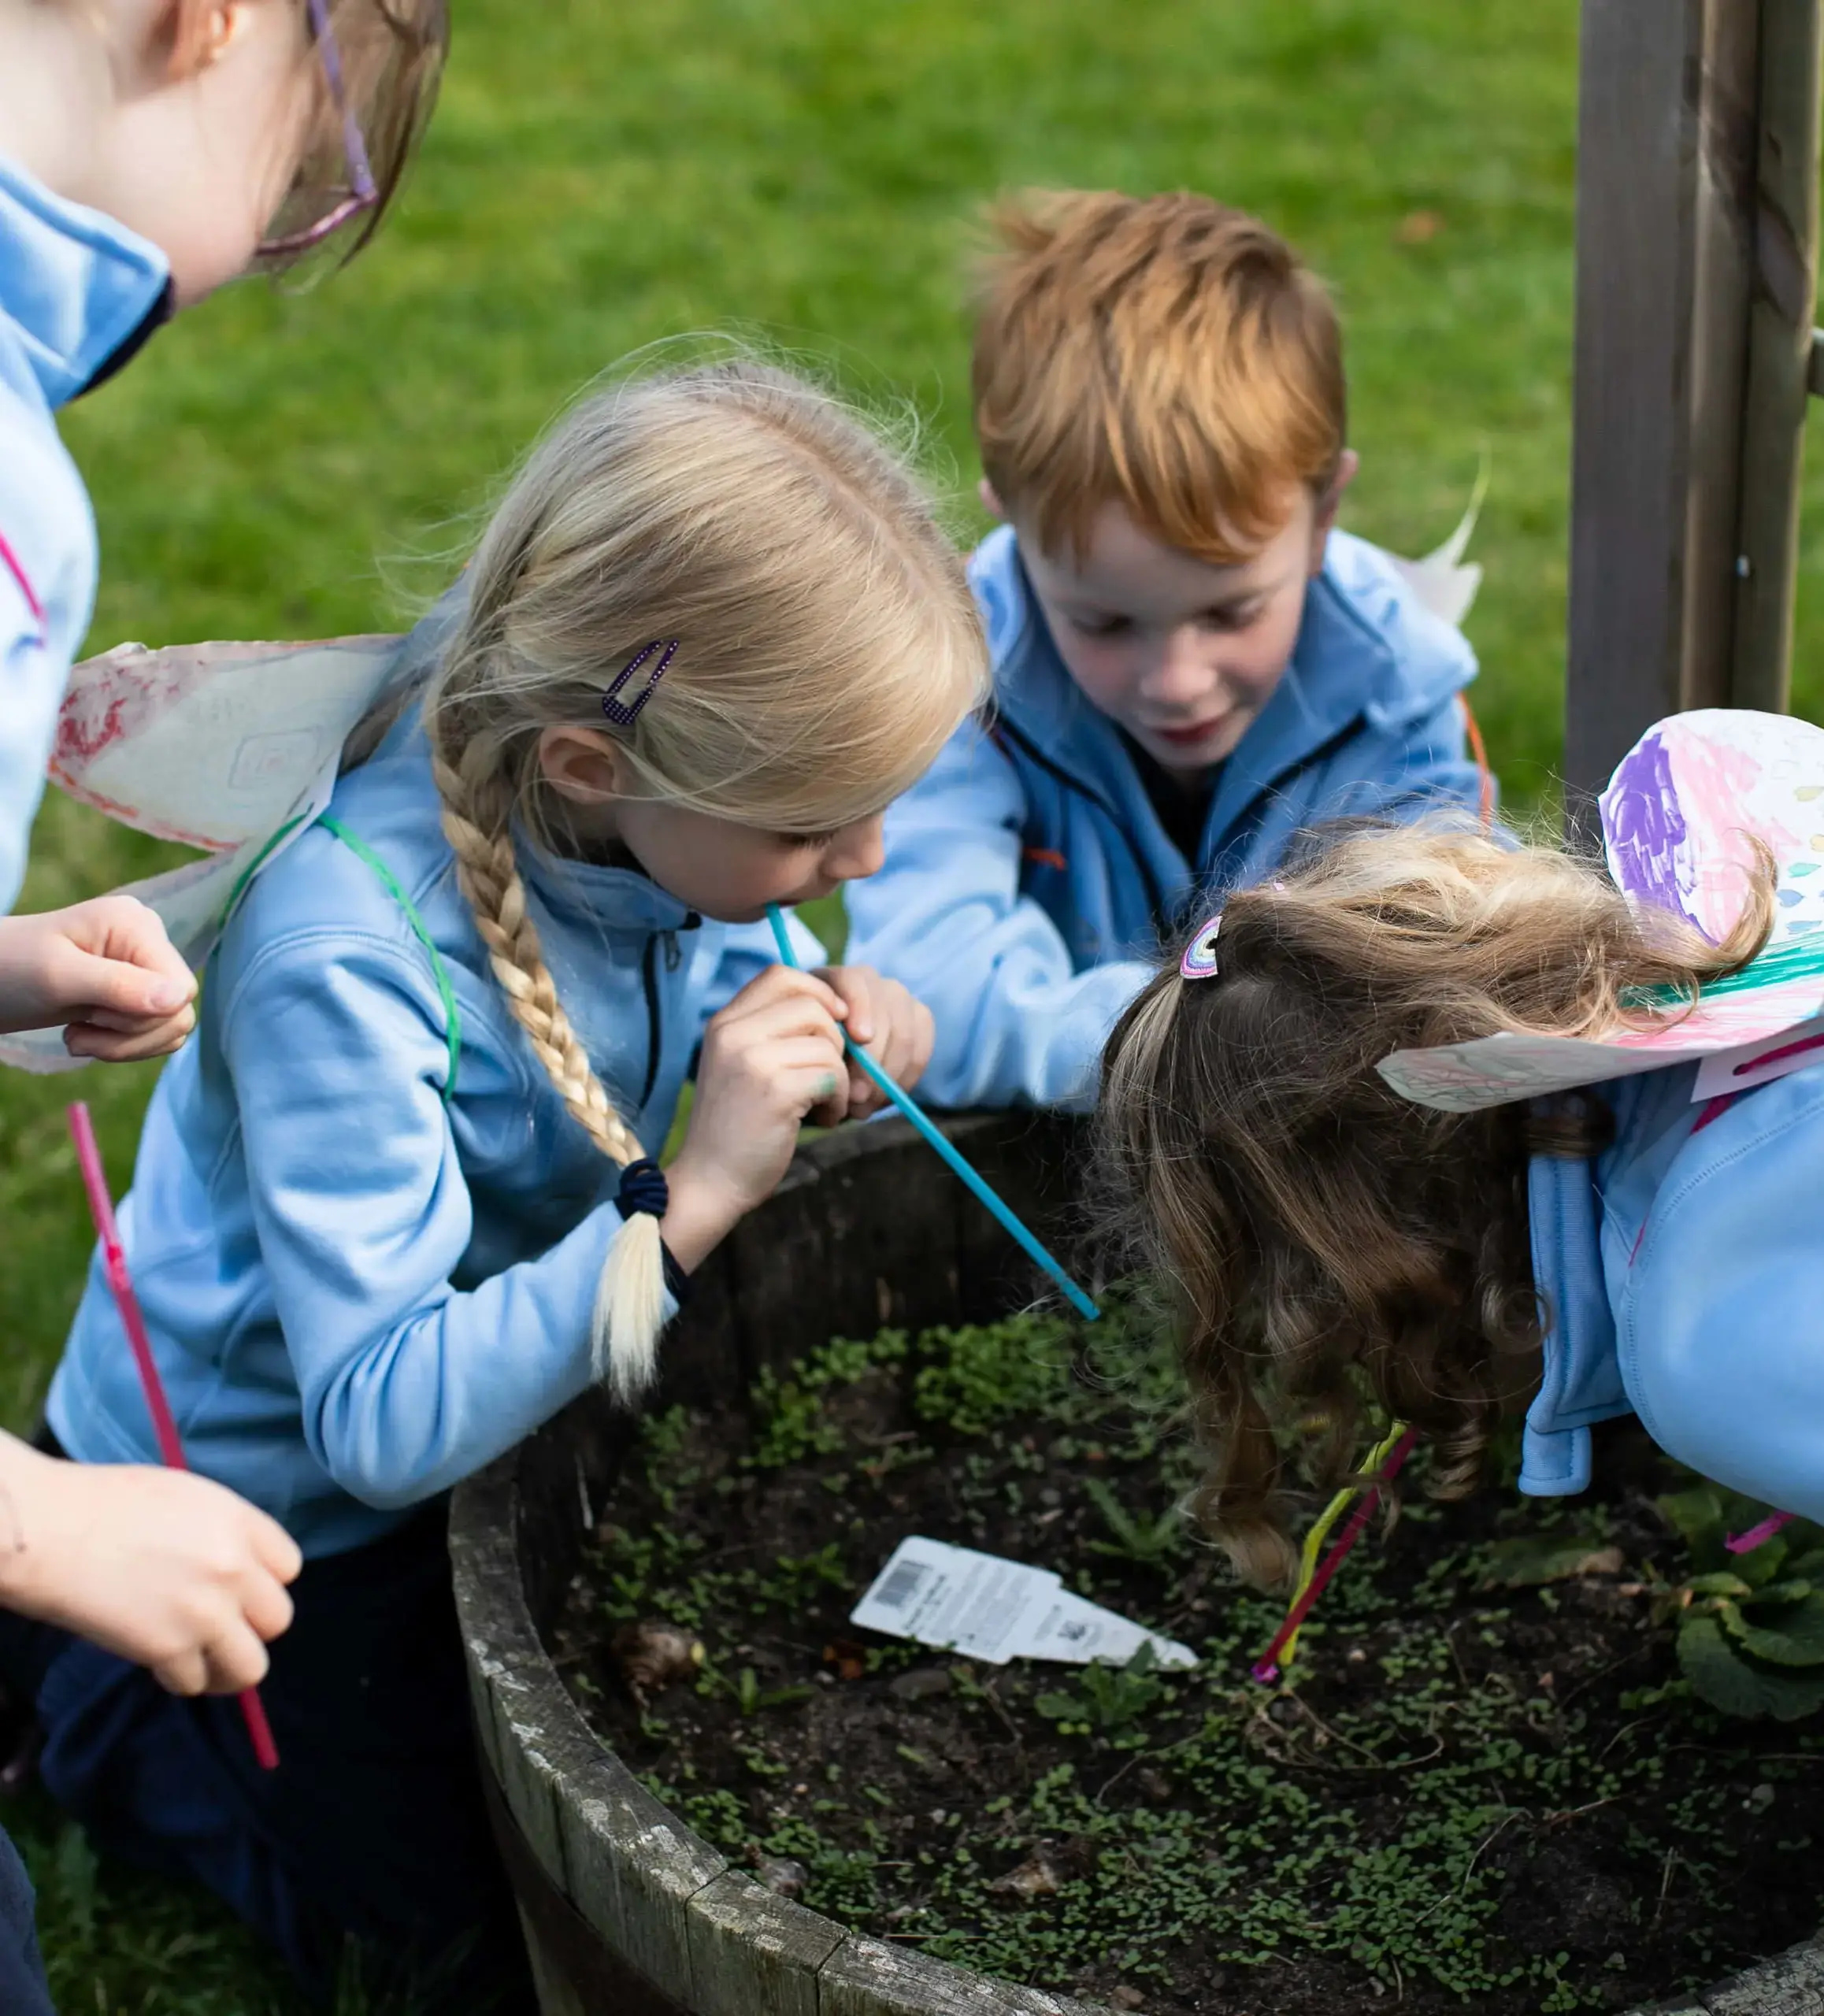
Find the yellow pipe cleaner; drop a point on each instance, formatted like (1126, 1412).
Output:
(1321, 1529)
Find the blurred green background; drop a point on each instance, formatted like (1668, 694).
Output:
(600, 176)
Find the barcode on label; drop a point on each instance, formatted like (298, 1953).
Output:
(900, 1585)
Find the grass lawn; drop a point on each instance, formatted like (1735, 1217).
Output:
(601, 177)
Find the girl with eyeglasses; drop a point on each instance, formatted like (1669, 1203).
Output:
(150, 150)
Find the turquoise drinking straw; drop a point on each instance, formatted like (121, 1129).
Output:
(919, 1120)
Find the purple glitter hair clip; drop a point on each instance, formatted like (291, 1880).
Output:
(1199, 959)
(624, 715)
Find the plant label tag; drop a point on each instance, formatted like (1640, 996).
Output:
(1075, 1632)
(983, 1607)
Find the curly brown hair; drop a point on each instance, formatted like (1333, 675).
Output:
(1318, 1233)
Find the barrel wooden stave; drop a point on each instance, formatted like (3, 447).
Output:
(867, 1977)
(753, 1954)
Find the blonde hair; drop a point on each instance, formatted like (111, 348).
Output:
(826, 647)
(1316, 1230)
(1164, 352)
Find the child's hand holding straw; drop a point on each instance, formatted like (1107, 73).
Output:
(771, 1059)
(106, 971)
(162, 1567)
(889, 1022)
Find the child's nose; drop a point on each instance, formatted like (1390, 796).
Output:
(1182, 672)
(858, 851)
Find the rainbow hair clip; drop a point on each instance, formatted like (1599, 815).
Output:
(1199, 959)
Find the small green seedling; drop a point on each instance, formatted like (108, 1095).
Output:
(1150, 1542)
(1751, 1626)
(751, 1698)
(1107, 1699)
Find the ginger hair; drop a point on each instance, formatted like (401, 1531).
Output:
(827, 646)
(1320, 1236)
(1164, 352)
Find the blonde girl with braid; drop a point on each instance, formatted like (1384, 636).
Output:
(397, 1202)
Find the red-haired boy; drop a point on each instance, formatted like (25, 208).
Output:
(1192, 665)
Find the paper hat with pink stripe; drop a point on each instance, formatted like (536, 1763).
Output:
(1680, 818)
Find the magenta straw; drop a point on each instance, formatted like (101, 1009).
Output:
(170, 1447)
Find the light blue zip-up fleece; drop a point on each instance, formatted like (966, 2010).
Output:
(1680, 1274)
(74, 287)
(1029, 881)
(362, 1286)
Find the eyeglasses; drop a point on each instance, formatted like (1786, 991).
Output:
(362, 193)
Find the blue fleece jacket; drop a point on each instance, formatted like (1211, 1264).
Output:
(1029, 880)
(74, 287)
(1682, 1278)
(364, 1282)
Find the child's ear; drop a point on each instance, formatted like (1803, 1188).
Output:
(189, 36)
(991, 498)
(1324, 518)
(584, 765)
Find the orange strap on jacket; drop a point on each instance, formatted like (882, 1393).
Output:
(1479, 750)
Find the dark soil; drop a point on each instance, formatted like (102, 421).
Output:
(1462, 1795)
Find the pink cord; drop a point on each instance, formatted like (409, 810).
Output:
(170, 1447)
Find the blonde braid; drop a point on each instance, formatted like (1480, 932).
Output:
(629, 1309)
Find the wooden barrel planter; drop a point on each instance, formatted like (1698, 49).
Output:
(628, 1912)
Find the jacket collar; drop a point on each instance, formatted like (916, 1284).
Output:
(1581, 1382)
(1341, 672)
(75, 287)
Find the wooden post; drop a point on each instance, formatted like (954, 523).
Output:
(1779, 351)
(1696, 269)
(1666, 180)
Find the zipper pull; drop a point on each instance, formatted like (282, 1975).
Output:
(672, 955)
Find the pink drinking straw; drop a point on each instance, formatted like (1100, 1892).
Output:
(170, 1448)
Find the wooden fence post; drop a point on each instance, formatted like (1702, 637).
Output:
(1779, 351)
(1697, 225)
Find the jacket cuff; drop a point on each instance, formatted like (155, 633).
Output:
(677, 1282)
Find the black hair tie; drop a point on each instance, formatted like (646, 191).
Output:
(645, 1189)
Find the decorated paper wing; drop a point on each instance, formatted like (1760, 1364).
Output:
(1443, 581)
(212, 744)
(230, 748)
(1680, 819)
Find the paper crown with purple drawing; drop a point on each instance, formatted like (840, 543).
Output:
(1680, 819)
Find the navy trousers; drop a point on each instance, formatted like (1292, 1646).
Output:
(22, 1988)
(368, 1849)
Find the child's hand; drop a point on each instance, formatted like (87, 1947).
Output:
(893, 1026)
(106, 969)
(771, 1056)
(162, 1567)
